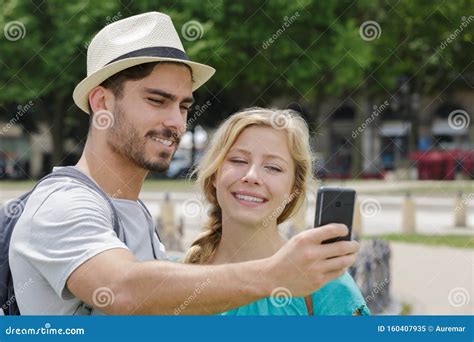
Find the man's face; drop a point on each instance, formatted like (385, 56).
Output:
(150, 117)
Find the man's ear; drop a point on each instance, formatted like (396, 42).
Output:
(98, 99)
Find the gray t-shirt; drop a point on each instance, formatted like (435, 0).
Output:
(64, 224)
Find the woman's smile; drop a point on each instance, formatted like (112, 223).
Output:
(249, 199)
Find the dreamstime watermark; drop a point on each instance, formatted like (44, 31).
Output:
(458, 296)
(192, 297)
(46, 330)
(287, 22)
(22, 110)
(13, 208)
(370, 207)
(192, 30)
(464, 23)
(192, 207)
(103, 119)
(464, 199)
(116, 194)
(459, 119)
(280, 119)
(18, 290)
(109, 20)
(277, 212)
(370, 30)
(377, 110)
(280, 297)
(102, 297)
(197, 112)
(377, 289)
(14, 30)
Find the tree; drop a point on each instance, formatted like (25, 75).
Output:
(306, 51)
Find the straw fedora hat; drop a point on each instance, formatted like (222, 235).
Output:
(143, 38)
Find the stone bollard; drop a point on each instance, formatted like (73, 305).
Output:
(357, 220)
(168, 225)
(371, 272)
(460, 211)
(408, 215)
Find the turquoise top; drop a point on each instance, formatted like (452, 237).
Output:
(340, 296)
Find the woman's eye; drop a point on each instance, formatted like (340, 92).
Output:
(238, 161)
(274, 168)
(185, 108)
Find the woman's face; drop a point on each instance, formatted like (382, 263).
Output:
(255, 180)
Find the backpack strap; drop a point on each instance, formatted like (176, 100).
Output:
(309, 304)
(72, 172)
(149, 214)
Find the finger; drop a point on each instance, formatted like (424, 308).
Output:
(328, 231)
(339, 248)
(338, 263)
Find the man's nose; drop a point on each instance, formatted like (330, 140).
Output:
(176, 121)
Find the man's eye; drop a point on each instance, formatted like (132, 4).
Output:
(186, 108)
(155, 100)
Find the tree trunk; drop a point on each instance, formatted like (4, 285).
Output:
(57, 131)
(360, 114)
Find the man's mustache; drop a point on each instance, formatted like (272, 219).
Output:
(168, 134)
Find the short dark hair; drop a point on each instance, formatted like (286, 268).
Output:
(134, 73)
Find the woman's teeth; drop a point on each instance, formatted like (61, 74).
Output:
(163, 141)
(249, 198)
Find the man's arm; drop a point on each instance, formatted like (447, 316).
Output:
(164, 288)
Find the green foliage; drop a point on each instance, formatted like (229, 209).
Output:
(454, 241)
(302, 50)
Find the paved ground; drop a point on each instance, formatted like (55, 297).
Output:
(433, 280)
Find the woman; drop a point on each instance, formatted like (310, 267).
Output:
(255, 175)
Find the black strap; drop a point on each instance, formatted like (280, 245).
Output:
(151, 217)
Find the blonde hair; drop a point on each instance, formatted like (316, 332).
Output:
(204, 247)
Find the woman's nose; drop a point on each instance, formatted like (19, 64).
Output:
(252, 175)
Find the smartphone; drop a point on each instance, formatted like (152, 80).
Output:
(335, 205)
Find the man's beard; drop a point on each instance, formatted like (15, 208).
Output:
(124, 139)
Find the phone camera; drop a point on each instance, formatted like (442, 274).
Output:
(338, 204)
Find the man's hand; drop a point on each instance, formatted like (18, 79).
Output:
(304, 265)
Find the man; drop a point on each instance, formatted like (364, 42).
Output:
(138, 92)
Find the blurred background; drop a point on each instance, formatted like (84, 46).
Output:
(385, 86)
